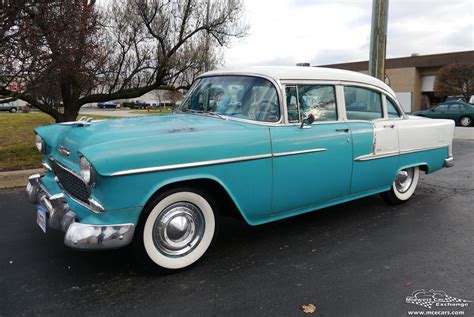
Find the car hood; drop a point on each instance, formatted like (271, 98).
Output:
(140, 142)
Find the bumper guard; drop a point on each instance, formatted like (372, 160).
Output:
(78, 235)
(449, 162)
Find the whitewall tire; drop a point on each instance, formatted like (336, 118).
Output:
(177, 228)
(403, 186)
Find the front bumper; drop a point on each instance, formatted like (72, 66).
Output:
(449, 162)
(78, 235)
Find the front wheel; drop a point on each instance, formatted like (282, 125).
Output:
(465, 121)
(13, 110)
(177, 228)
(403, 186)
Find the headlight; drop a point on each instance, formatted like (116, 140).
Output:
(39, 143)
(87, 171)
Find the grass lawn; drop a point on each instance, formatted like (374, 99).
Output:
(17, 139)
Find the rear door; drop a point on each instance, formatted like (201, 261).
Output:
(375, 138)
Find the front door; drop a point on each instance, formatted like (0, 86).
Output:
(311, 165)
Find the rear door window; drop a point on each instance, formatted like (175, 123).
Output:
(362, 103)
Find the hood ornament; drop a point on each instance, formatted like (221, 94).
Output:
(83, 121)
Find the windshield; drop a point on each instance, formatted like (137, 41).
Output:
(242, 97)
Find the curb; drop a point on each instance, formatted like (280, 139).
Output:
(14, 179)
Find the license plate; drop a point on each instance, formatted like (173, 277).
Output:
(41, 217)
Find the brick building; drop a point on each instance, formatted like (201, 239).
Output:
(412, 78)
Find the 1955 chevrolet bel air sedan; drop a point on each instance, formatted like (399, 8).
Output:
(263, 143)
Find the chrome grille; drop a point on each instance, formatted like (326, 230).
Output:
(71, 183)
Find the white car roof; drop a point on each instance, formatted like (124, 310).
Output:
(279, 73)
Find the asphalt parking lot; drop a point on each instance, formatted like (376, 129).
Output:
(361, 258)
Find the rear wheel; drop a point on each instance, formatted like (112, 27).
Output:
(177, 228)
(13, 110)
(403, 186)
(465, 121)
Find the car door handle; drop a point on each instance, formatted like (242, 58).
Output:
(391, 126)
(342, 130)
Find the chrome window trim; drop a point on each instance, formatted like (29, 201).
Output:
(291, 84)
(372, 156)
(336, 83)
(213, 162)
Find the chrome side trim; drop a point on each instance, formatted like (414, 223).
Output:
(434, 147)
(212, 162)
(194, 164)
(298, 152)
(373, 156)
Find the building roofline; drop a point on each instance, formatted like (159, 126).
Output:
(432, 60)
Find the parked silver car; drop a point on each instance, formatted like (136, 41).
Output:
(11, 106)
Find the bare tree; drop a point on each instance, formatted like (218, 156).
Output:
(455, 80)
(70, 53)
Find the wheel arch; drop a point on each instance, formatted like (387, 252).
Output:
(224, 199)
(423, 166)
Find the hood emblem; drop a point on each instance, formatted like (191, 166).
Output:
(64, 150)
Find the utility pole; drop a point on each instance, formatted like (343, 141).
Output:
(207, 61)
(378, 39)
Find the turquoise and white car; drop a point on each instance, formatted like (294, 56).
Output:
(261, 143)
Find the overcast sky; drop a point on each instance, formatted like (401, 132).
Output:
(284, 32)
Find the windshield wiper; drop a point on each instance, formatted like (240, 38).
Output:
(212, 113)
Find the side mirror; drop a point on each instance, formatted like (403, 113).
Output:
(432, 109)
(307, 120)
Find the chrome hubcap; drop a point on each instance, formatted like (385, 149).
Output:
(465, 121)
(404, 179)
(178, 229)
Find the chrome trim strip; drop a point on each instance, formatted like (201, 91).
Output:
(66, 168)
(93, 205)
(298, 152)
(373, 156)
(47, 167)
(434, 147)
(195, 164)
(212, 162)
